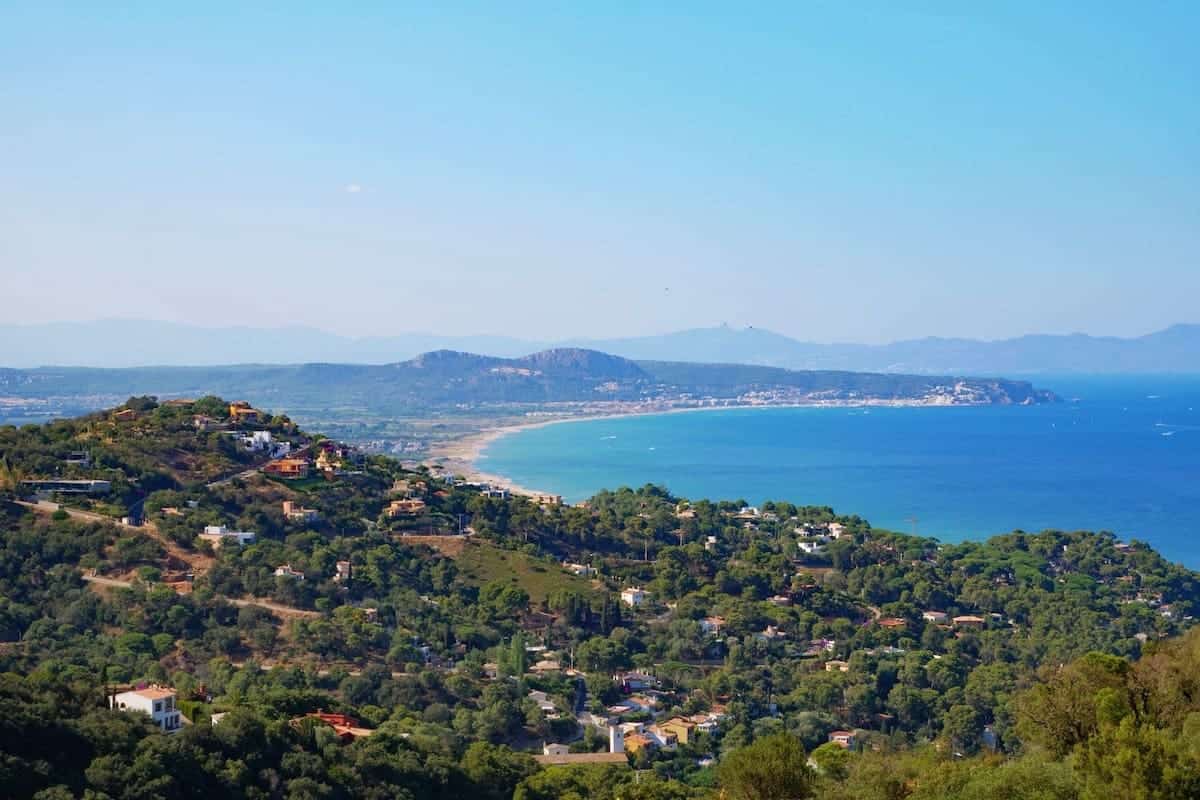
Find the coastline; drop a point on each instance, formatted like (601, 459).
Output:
(461, 456)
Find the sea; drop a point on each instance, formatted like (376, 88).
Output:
(1118, 454)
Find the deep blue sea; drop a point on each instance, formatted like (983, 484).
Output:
(1121, 454)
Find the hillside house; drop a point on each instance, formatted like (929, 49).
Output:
(684, 730)
(936, 617)
(78, 459)
(328, 461)
(770, 634)
(662, 737)
(811, 547)
(634, 596)
(705, 723)
(843, 739)
(241, 411)
(404, 508)
(288, 468)
(159, 702)
(546, 666)
(298, 513)
(636, 742)
(255, 441)
(219, 535)
(544, 704)
(286, 571)
(642, 702)
(711, 626)
(969, 621)
(636, 681)
(346, 727)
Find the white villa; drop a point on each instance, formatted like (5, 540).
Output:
(634, 596)
(218, 535)
(156, 701)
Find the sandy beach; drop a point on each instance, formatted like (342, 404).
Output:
(461, 456)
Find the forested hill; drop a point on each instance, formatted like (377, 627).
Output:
(447, 379)
(783, 652)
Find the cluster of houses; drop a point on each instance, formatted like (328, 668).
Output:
(812, 539)
(644, 698)
(262, 442)
(161, 704)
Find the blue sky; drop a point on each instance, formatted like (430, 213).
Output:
(884, 171)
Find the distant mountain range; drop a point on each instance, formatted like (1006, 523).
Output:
(114, 343)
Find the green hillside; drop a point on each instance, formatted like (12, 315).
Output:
(1058, 664)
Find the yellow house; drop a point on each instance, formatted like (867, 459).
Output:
(682, 728)
(241, 411)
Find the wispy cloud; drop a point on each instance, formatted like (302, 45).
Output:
(353, 188)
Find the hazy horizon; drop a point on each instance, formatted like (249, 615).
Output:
(834, 174)
(569, 337)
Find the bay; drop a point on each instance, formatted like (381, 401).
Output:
(1120, 454)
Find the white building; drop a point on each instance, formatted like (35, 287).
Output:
(286, 571)
(255, 441)
(811, 546)
(634, 596)
(156, 701)
(218, 535)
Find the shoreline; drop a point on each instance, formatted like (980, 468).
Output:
(461, 456)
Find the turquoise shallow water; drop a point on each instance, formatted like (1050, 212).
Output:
(1124, 457)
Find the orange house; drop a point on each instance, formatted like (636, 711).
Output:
(288, 468)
